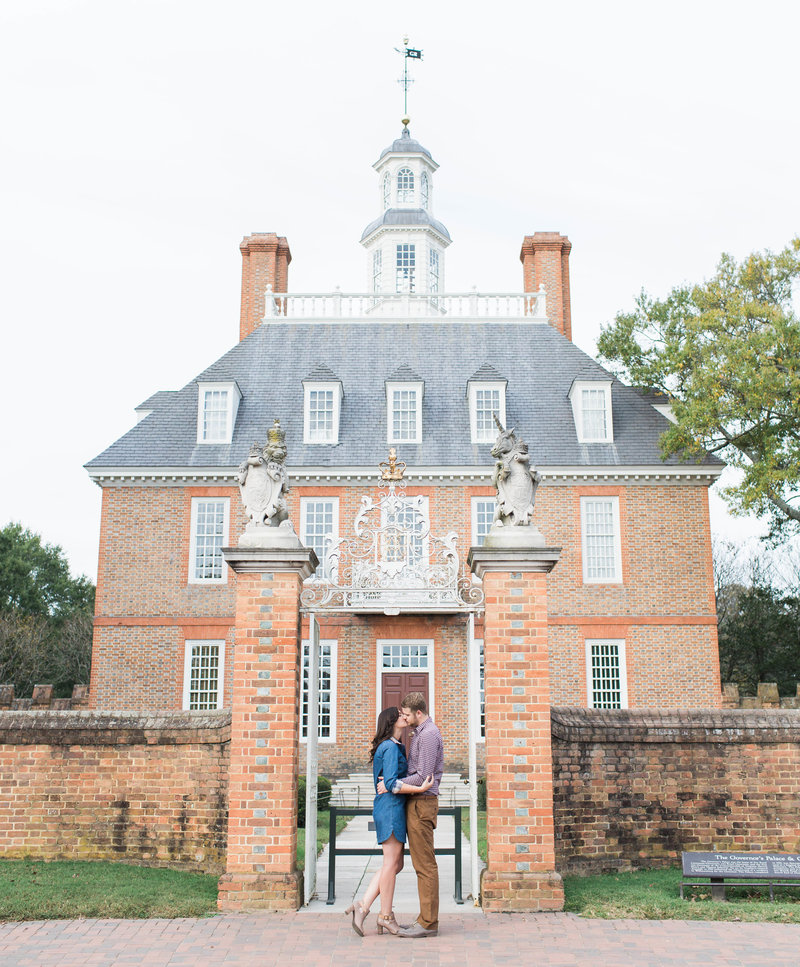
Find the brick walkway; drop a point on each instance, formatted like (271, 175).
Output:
(325, 940)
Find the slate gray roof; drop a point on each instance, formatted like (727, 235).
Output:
(405, 217)
(270, 364)
(405, 143)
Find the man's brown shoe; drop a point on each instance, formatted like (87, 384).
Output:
(417, 930)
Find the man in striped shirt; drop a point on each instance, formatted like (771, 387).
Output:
(425, 758)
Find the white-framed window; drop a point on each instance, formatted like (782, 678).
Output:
(405, 186)
(217, 405)
(319, 520)
(323, 402)
(404, 417)
(486, 397)
(377, 270)
(600, 540)
(606, 677)
(423, 189)
(591, 410)
(405, 268)
(209, 524)
(327, 691)
(405, 532)
(483, 509)
(387, 190)
(433, 270)
(203, 675)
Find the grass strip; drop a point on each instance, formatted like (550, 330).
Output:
(323, 835)
(655, 895)
(481, 829)
(67, 889)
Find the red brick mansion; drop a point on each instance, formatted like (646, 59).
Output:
(630, 614)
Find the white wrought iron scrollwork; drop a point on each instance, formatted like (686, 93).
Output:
(392, 563)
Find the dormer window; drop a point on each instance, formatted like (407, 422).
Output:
(217, 405)
(387, 190)
(485, 399)
(423, 189)
(591, 408)
(323, 403)
(404, 416)
(405, 186)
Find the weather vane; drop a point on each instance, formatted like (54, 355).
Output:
(413, 54)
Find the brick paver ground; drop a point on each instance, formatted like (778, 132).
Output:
(325, 940)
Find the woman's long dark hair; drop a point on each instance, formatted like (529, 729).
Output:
(386, 723)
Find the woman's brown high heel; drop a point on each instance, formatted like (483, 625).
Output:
(387, 923)
(359, 916)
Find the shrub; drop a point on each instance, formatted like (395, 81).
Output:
(323, 798)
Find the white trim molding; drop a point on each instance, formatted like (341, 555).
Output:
(477, 476)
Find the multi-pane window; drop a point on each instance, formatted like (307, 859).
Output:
(591, 409)
(595, 418)
(405, 530)
(322, 402)
(405, 185)
(320, 521)
(605, 673)
(209, 530)
(404, 656)
(404, 414)
(601, 539)
(320, 415)
(483, 509)
(406, 262)
(327, 689)
(377, 270)
(433, 270)
(217, 405)
(203, 672)
(387, 190)
(486, 399)
(423, 189)
(215, 415)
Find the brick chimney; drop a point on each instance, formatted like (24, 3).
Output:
(265, 261)
(545, 261)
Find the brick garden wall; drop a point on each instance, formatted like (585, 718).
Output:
(635, 788)
(123, 786)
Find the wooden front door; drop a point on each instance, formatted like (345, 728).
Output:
(396, 685)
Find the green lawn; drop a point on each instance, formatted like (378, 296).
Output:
(481, 830)
(655, 895)
(323, 829)
(34, 890)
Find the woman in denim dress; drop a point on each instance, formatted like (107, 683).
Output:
(389, 812)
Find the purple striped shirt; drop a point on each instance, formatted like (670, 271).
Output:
(426, 757)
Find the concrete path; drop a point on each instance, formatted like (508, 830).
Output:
(353, 873)
(325, 940)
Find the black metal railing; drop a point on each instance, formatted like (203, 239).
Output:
(335, 850)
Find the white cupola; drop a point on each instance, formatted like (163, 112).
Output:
(405, 245)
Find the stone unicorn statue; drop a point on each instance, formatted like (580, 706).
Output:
(515, 480)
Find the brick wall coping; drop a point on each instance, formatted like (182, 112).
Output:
(51, 727)
(772, 726)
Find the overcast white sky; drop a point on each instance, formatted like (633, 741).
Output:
(142, 140)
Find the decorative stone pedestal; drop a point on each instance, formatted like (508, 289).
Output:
(262, 817)
(520, 871)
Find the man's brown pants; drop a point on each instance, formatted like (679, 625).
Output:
(421, 816)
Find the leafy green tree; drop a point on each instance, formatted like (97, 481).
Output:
(45, 615)
(35, 578)
(726, 353)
